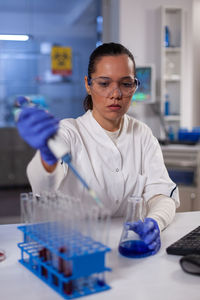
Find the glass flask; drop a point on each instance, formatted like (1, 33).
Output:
(130, 244)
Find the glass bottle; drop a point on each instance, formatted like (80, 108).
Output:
(130, 244)
(167, 105)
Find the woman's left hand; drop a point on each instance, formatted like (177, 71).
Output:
(149, 232)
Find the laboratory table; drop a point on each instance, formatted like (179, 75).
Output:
(158, 277)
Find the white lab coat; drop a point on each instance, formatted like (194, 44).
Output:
(110, 170)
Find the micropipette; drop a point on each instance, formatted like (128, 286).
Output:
(58, 148)
(67, 159)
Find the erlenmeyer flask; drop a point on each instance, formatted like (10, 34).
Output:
(130, 244)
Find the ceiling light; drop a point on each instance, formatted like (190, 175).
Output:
(14, 37)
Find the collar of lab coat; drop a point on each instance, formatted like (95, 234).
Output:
(98, 132)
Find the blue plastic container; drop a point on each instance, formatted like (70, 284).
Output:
(184, 135)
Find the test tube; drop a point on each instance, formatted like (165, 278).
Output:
(78, 215)
(26, 207)
(65, 267)
(79, 285)
(104, 226)
(101, 279)
(54, 230)
(94, 215)
(45, 255)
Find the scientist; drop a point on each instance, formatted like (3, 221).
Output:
(113, 151)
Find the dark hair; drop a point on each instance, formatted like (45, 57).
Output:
(106, 49)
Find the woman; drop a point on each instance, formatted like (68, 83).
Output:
(112, 151)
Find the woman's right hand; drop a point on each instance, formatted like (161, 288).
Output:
(36, 126)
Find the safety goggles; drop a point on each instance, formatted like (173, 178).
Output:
(105, 86)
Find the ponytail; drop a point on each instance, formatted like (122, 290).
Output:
(87, 104)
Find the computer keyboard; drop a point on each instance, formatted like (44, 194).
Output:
(188, 244)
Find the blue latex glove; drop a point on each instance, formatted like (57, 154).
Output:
(39, 101)
(21, 100)
(35, 126)
(148, 231)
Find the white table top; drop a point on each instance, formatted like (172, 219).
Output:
(157, 277)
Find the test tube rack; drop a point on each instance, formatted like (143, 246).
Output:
(68, 261)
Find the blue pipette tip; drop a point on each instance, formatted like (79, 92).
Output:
(94, 196)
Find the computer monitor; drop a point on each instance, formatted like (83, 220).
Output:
(146, 90)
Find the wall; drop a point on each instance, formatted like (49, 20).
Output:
(139, 30)
(196, 61)
(65, 24)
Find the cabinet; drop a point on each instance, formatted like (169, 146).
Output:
(171, 66)
(15, 155)
(183, 165)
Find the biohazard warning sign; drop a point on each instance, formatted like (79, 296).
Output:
(61, 60)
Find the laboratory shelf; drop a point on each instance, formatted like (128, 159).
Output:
(172, 49)
(172, 118)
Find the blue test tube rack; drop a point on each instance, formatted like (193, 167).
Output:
(67, 261)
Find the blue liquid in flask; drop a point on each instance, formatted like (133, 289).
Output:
(130, 244)
(134, 249)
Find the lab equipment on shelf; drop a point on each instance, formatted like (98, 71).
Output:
(167, 105)
(64, 243)
(171, 134)
(192, 136)
(167, 36)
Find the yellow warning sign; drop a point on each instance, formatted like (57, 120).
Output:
(61, 60)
